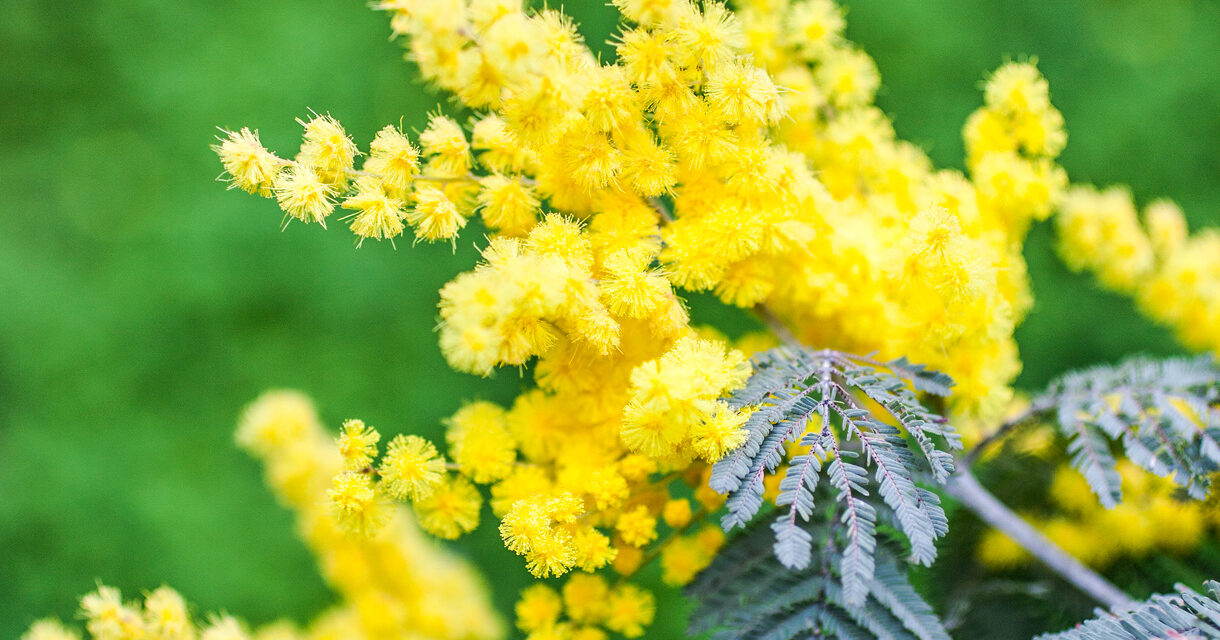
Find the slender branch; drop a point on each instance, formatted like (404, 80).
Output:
(966, 489)
(776, 325)
(661, 209)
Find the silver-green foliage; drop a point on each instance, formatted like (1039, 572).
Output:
(1184, 615)
(1163, 412)
(746, 594)
(790, 387)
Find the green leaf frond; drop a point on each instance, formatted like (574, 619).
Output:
(747, 594)
(1185, 615)
(820, 399)
(1164, 413)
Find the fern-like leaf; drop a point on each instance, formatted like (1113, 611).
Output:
(1165, 414)
(747, 594)
(817, 399)
(1185, 614)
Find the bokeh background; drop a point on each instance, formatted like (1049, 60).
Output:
(142, 305)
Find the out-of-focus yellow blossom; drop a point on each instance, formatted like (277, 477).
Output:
(392, 608)
(108, 618)
(538, 608)
(999, 552)
(630, 610)
(677, 513)
(585, 598)
(224, 627)
(682, 559)
(1174, 275)
(451, 509)
(166, 616)
(50, 629)
(389, 583)
(1150, 519)
(627, 559)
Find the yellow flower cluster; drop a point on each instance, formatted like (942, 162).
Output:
(392, 583)
(589, 604)
(163, 615)
(390, 190)
(733, 152)
(564, 479)
(736, 152)
(1174, 275)
(1150, 519)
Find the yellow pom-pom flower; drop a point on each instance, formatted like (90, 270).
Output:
(480, 442)
(508, 205)
(327, 149)
(250, 166)
(411, 468)
(434, 216)
(444, 142)
(377, 214)
(630, 610)
(355, 503)
(637, 527)
(538, 608)
(357, 444)
(303, 195)
(451, 509)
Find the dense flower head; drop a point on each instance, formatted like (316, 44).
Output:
(480, 442)
(249, 165)
(451, 509)
(411, 468)
(357, 444)
(378, 214)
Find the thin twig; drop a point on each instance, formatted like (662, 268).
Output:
(661, 209)
(776, 325)
(1030, 412)
(966, 489)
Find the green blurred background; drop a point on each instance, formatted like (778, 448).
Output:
(142, 304)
